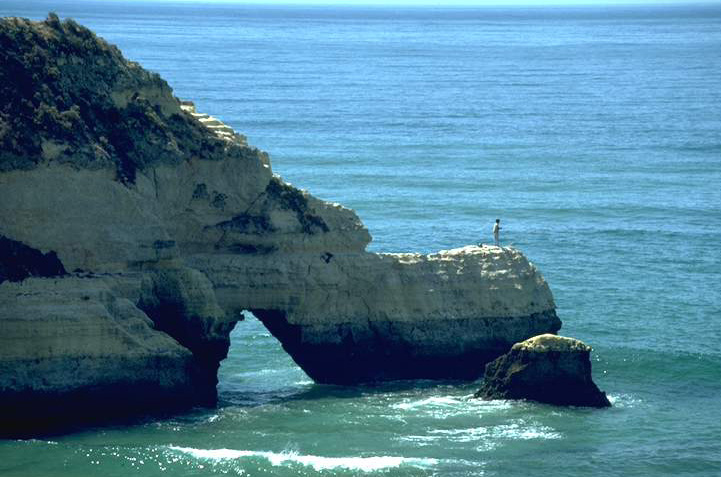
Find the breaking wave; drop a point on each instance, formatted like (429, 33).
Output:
(318, 463)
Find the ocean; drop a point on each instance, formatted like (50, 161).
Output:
(593, 133)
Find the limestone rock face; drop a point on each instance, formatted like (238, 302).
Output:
(180, 301)
(349, 317)
(546, 368)
(156, 225)
(72, 347)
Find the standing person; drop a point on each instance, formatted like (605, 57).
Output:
(497, 232)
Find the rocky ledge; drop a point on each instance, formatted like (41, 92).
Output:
(135, 230)
(547, 368)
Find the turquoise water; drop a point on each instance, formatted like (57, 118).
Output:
(594, 134)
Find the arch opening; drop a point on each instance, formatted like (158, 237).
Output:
(257, 369)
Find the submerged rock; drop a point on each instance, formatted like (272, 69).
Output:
(546, 368)
(177, 226)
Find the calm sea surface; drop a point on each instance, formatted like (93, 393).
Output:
(594, 134)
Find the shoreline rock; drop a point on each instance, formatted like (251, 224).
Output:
(172, 226)
(73, 351)
(546, 368)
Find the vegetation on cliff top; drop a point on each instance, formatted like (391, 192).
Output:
(291, 198)
(68, 96)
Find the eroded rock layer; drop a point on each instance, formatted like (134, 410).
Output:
(155, 226)
(349, 317)
(72, 349)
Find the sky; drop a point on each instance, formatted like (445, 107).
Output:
(469, 3)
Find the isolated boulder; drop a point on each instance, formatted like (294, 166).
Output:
(546, 368)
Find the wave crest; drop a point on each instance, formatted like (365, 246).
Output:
(364, 464)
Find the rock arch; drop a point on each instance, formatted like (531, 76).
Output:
(365, 317)
(167, 224)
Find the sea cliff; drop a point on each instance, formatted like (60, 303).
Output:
(135, 230)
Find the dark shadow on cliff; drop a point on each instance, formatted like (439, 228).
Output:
(244, 382)
(351, 353)
(18, 262)
(75, 413)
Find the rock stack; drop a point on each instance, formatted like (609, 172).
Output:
(547, 368)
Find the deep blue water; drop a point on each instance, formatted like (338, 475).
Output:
(593, 133)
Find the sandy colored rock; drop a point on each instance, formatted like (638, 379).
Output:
(179, 226)
(364, 317)
(181, 302)
(546, 368)
(69, 344)
(552, 343)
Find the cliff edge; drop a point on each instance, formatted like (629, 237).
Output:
(135, 230)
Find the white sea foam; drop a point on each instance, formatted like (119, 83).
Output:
(436, 401)
(462, 435)
(364, 464)
(442, 407)
(623, 400)
(524, 432)
(472, 434)
(490, 435)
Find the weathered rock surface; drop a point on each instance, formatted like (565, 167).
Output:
(351, 317)
(165, 218)
(546, 368)
(72, 348)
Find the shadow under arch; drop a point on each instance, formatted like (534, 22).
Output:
(366, 352)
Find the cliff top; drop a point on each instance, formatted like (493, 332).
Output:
(67, 95)
(549, 342)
